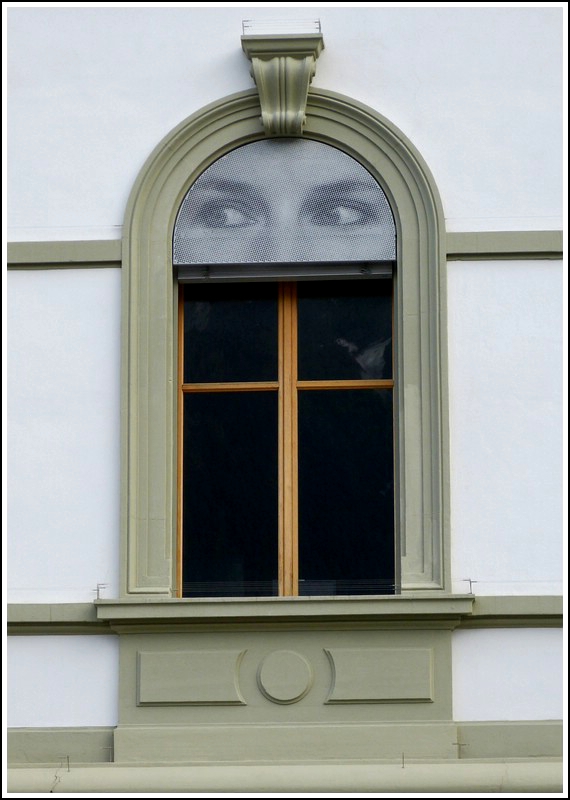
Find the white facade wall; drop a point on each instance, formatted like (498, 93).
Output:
(92, 91)
(505, 321)
(508, 674)
(62, 681)
(63, 434)
(79, 134)
(505, 387)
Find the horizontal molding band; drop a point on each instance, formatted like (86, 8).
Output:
(440, 611)
(491, 245)
(461, 777)
(336, 742)
(458, 611)
(291, 743)
(54, 619)
(64, 255)
(83, 745)
(103, 253)
(524, 611)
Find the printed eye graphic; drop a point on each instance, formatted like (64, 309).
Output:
(339, 214)
(216, 214)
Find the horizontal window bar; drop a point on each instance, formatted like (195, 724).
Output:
(252, 386)
(354, 384)
(203, 273)
(271, 386)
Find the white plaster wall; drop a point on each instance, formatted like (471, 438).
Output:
(505, 419)
(62, 681)
(92, 91)
(506, 412)
(508, 674)
(63, 434)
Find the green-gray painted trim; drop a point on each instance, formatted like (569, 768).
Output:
(469, 246)
(216, 662)
(460, 778)
(464, 611)
(64, 255)
(543, 739)
(465, 246)
(33, 747)
(545, 611)
(282, 66)
(51, 745)
(426, 741)
(149, 342)
(435, 611)
(504, 245)
(273, 45)
(54, 619)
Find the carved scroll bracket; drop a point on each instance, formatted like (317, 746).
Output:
(283, 66)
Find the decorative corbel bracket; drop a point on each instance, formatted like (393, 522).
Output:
(283, 66)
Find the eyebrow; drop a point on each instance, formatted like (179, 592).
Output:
(343, 185)
(348, 185)
(237, 190)
(227, 186)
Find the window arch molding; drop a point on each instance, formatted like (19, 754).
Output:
(149, 414)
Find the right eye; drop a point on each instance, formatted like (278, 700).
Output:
(342, 213)
(221, 214)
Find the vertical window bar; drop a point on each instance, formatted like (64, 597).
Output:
(288, 500)
(180, 439)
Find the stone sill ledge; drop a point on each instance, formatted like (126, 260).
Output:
(464, 611)
(455, 777)
(318, 609)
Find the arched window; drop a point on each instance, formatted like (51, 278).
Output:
(354, 264)
(286, 389)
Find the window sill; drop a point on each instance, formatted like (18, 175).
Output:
(418, 610)
(446, 610)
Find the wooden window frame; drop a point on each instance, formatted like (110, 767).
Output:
(287, 386)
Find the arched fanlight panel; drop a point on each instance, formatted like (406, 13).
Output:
(284, 201)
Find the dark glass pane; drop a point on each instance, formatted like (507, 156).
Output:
(345, 330)
(230, 494)
(230, 333)
(346, 492)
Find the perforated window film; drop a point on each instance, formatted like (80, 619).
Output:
(278, 201)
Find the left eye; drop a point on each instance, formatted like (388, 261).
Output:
(341, 214)
(214, 214)
(229, 217)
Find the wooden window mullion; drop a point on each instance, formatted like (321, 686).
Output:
(180, 447)
(288, 481)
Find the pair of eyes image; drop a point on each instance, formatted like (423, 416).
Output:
(210, 210)
(329, 214)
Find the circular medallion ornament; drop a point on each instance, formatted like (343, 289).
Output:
(284, 676)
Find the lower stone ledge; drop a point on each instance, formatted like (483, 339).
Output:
(222, 745)
(537, 776)
(406, 742)
(278, 743)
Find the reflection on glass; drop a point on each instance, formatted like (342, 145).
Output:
(230, 333)
(346, 492)
(230, 494)
(345, 330)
